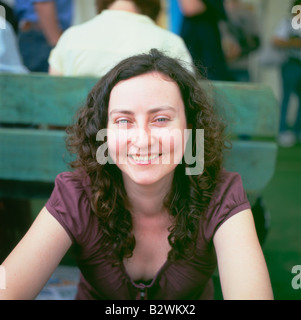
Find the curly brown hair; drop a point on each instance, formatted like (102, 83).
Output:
(149, 8)
(190, 194)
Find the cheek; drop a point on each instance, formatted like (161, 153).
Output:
(174, 144)
(168, 144)
(117, 144)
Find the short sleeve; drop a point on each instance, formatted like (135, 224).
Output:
(69, 204)
(229, 198)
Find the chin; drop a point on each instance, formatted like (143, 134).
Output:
(144, 180)
(148, 178)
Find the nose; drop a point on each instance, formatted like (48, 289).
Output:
(141, 139)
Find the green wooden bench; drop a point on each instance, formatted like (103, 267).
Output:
(30, 158)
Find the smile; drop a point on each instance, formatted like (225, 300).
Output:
(144, 158)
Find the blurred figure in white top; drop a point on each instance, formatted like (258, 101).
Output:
(120, 30)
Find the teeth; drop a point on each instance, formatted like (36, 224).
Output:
(144, 158)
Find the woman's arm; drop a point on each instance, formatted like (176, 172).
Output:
(242, 267)
(32, 262)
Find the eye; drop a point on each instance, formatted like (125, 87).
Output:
(161, 120)
(123, 123)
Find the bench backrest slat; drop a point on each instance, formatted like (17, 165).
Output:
(41, 99)
(248, 108)
(32, 155)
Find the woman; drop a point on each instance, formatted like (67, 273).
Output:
(143, 228)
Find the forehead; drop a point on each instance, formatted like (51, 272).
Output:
(150, 88)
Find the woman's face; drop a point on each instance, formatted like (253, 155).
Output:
(146, 125)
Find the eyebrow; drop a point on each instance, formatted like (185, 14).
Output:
(151, 111)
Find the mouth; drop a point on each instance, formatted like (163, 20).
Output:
(144, 159)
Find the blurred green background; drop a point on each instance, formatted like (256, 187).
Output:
(282, 248)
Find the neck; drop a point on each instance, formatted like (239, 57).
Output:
(148, 200)
(124, 5)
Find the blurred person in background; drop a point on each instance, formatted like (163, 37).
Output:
(289, 40)
(41, 23)
(10, 58)
(201, 33)
(240, 38)
(9, 15)
(120, 29)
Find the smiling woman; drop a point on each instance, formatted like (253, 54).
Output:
(143, 228)
(127, 102)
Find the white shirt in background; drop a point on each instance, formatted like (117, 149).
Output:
(96, 46)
